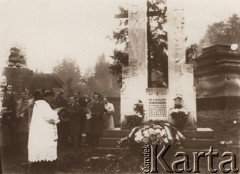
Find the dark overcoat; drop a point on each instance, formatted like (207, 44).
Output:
(76, 113)
(10, 103)
(94, 125)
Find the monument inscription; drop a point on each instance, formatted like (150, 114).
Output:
(157, 103)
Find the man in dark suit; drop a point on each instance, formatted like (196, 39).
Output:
(83, 104)
(60, 101)
(80, 100)
(76, 112)
(63, 126)
(97, 120)
(9, 114)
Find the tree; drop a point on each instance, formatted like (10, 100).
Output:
(17, 57)
(191, 52)
(120, 56)
(156, 38)
(102, 80)
(223, 32)
(69, 72)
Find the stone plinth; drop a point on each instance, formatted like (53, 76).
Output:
(217, 72)
(217, 81)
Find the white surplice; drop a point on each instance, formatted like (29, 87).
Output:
(109, 122)
(42, 141)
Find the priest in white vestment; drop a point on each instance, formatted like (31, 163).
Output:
(42, 142)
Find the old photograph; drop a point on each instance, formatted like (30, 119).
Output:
(119, 86)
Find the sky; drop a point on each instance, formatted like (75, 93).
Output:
(50, 30)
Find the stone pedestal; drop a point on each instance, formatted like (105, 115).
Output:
(217, 80)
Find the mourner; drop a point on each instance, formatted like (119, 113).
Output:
(83, 104)
(49, 94)
(22, 120)
(108, 114)
(88, 124)
(9, 114)
(63, 126)
(59, 100)
(95, 120)
(75, 112)
(31, 102)
(81, 100)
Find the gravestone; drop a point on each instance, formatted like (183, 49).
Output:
(157, 101)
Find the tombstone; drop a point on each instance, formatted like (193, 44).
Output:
(157, 101)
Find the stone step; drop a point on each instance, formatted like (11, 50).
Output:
(108, 142)
(194, 149)
(188, 143)
(4, 136)
(199, 133)
(115, 150)
(198, 143)
(115, 133)
(110, 150)
(202, 133)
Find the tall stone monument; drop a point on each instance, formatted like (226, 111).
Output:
(135, 75)
(157, 101)
(181, 79)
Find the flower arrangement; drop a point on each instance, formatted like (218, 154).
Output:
(151, 135)
(136, 118)
(155, 132)
(180, 116)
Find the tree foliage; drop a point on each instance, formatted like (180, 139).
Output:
(120, 56)
(156, 37)
(157, 40)
(69, 72)
(223, 32)
(102, 80)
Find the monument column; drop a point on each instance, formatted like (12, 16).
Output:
(135, 74)
(180, 74)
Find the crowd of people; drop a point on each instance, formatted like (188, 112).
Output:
(49, 121)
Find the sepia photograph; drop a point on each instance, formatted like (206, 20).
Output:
(119, 86)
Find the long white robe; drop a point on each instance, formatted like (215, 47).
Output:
(42, 142)
(109, 122)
